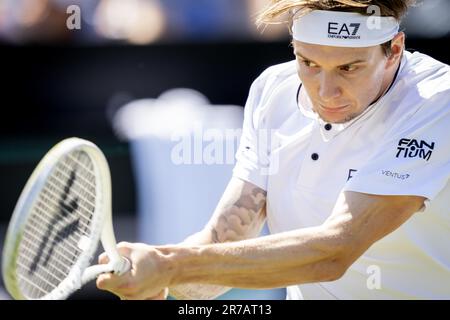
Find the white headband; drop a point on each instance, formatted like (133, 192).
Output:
(344, 29)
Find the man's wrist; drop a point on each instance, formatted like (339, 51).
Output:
(183, 264)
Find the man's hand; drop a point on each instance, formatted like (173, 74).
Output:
(147, 279)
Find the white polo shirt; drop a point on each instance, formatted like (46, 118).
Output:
(399, 146)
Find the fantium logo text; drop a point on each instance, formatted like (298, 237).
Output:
(412, 148)
(344, 30)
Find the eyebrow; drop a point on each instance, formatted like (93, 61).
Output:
(342, 65)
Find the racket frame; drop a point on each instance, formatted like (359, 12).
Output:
(101, 227)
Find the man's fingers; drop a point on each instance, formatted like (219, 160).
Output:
(124, 249)
(104, 280)
(115, 283)
(103, 258)
(124, 245)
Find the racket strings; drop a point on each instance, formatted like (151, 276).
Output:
(50, 201)
(71, 249)
(61, 219)
(55, 186)
(58, 274)
(85, 180)
(44, 207)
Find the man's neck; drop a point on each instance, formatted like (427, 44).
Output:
(389, 81)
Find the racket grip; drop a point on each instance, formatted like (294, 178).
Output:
(120, 267)
(94, 271)
(123, 267)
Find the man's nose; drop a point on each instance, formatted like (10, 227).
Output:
(329, 88)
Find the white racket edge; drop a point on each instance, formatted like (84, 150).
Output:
(117, 263)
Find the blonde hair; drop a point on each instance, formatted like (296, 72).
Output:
(294, 8)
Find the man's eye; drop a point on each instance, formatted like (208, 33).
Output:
(348, 68)
(309, 64)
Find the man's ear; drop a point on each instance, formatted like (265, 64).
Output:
(397, 46)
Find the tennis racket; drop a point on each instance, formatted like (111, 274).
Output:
(63, 212)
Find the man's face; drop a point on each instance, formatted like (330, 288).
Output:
(341, 82)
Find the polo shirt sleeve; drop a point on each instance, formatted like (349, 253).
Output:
(252, 156)
(413, 159)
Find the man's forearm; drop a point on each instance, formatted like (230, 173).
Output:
(197, 291)
(300, 256)
(239, 215)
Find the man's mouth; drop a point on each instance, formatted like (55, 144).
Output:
(334, 109)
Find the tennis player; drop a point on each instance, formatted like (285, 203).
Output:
(345, 153)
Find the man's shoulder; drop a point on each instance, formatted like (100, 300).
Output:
(421, 92)
(281, 69)
(425, 61)
(276, 85)
(419, 102)
(427, 75)
(277, 73)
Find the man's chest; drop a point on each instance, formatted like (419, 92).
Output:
(309, 168)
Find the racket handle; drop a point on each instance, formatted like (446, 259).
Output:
(120, 267)
(93, 272)
(123, 267)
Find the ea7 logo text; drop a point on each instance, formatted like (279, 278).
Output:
(343, 31)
